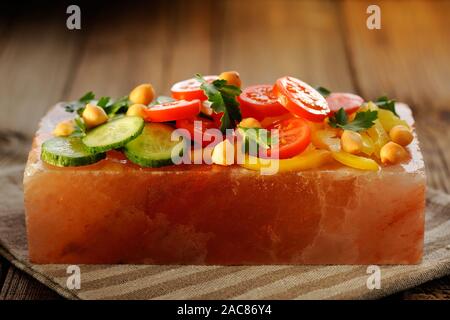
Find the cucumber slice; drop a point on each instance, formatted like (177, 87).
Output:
(114, 134)
(153, 148)
(68, 152)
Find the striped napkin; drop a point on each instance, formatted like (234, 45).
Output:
(223, 282)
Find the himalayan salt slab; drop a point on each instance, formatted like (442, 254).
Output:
(116, 212)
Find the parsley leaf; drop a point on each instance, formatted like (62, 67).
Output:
(339, 118)
(103, 102)
(363, 120)
(111, 107)
(323, 91)
(223, 99)
(386, 103)
(87, 97)
(76, 106)
(80, 127)
(119, 106)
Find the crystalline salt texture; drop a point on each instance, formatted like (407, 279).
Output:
(116, 212)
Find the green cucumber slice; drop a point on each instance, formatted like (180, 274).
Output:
(114, 134)
(68, 152)
(153, 148)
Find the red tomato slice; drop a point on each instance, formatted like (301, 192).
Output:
(173, 110)
(301, 99)
(216, 117)
(259, 101)
(349, 101)
(190, 89)
(294, 135)
(198, 133)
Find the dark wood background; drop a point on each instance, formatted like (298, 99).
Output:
(322, 42)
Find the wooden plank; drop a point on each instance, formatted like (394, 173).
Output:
(4, 265)
(20, 286)
(192, 41)
(35, 61)
(123, 50)
(277, 38)
(408, 57)
(160, 50)
(434, 134)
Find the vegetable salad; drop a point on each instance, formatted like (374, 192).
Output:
(289, 121)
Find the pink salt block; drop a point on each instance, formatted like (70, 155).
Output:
(116, 212)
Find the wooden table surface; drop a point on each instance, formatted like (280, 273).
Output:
(322, 42)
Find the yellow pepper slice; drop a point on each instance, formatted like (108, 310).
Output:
(378, 135)
(309, 159)
(326, 139)
(368, 145)
(353, 161)
(389, 120)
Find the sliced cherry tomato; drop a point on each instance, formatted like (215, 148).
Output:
(190, 89)
(349, 101)
(217, 118)
(259, 101)
(301, 99)
(294, 136)
(174, 110)
(198, 133)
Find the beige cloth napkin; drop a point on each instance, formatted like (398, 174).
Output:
(223, 282)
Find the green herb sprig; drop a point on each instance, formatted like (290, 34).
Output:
(76, 106)
(80, 127)
(110, 106)
(363, 120)
(119, 106)
(223, 99)
(386, 103)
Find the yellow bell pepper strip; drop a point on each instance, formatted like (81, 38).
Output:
(379, 136)
(326, 139)
(389, 120)
(309, 159)
(368, 145)
(356, 162)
